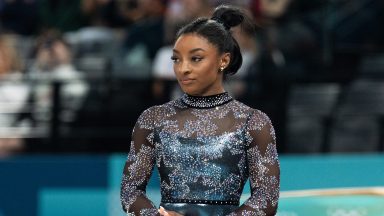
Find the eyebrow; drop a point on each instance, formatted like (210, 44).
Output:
(191, 51)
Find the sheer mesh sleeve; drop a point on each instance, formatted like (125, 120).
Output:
(264, 171)
(138, 168)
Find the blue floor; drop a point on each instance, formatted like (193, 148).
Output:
(89, 185)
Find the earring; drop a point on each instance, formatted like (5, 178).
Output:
(221, 69)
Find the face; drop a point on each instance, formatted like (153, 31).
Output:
(197, 65)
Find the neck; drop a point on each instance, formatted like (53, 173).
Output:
(214, 89)
(206, 101)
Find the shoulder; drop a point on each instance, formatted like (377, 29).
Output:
(158, 112)
(259, 120)
(256, 119)
(245, 109)
(239, 109)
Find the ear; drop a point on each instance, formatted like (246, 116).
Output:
(225, 59)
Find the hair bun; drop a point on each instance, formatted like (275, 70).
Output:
(229, 16)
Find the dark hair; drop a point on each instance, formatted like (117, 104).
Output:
(217, 31)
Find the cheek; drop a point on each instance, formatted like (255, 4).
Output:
(208, 72)
(176, 70)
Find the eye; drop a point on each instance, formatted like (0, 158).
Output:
(196, 59)
(175, 59)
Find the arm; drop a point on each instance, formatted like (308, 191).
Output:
(138, 169)
(264, 171)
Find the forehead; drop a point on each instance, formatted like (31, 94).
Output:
(191, 41)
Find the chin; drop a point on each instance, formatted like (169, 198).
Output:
(191, 92)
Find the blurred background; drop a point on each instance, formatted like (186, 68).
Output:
(76, 74)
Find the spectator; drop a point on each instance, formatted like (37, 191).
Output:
(144, 38)
(246, 37)
(13, 97)
(269, 77)
(53, 63)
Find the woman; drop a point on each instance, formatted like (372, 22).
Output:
(205, 144)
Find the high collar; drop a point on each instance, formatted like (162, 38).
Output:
(204, 102)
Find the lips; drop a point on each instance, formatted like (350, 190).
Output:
(186, 81)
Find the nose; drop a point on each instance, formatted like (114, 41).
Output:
(185, 67)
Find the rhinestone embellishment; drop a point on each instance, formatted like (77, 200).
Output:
(206, 101)
(211, 202)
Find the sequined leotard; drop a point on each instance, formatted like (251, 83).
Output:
(205, 149)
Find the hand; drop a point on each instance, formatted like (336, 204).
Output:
(164, 212)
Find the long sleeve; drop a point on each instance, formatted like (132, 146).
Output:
(138, 169)
(264, 169)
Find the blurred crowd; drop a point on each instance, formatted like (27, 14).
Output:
(75, 74)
